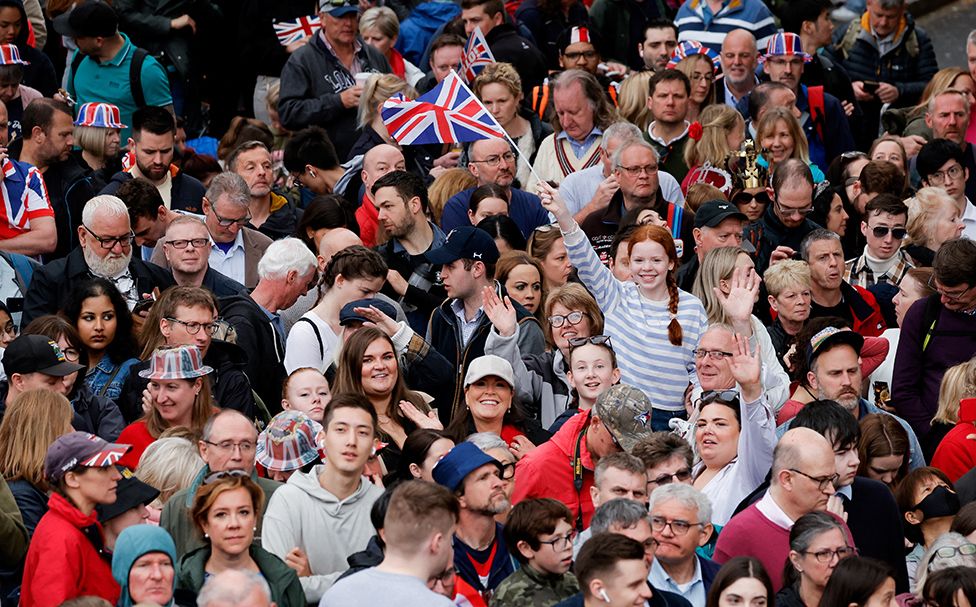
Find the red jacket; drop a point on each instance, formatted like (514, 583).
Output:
(868, 320)
(547, 471)
(956, 454)
(62, 563)
(137, 435)
(368, 218)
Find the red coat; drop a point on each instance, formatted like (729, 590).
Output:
(547, 471)
(368, 218)
(137, 435)
(62, 563)
(956, 454)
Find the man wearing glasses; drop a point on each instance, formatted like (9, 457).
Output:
(106, 239)
(778, 233)
(185, 246)
(493, 161)
(941, 163)
(803, 477)
(948, 115)
(937, 333)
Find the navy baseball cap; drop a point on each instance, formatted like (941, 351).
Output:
(459, 462)
(467, 242)
(348, 313)
(338, 8)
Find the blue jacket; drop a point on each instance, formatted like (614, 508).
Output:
(836, 129)
(524, 209)
(419, 29)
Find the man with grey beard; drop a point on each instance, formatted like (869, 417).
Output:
(105, 251)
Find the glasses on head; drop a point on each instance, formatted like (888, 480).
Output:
(745, 198)
(227, 222)
(947, 552)
(194, 327)
(109, 243)
(822, 481)
(558, 320)
(245, 446)
(896, 233)
(561, 542)
(938, 178)
(574, 56)
(791, 212)
(826, 556)
(544, 229)
(181, 243)
(678, 477)
(508, 471)
(494, 161)
(216, 476)
(678, 526)
(947, 295)
(596, 340)
(72, 355)
(650, 169)
(701, 353)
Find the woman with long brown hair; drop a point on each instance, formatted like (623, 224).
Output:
(33, 421)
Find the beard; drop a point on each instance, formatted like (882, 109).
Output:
(109, 266)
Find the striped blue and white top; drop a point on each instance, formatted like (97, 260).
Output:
(696, 21)
(639, 329)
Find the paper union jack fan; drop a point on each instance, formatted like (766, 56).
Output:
(289, 32)
(101, 115)
(476, 56)
(10, 55)
(449, 113)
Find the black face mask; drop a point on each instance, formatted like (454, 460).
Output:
(941, 502)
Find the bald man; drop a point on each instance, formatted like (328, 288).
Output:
(802, 481)
(740, 57)
(378, 161)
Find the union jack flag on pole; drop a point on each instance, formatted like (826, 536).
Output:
(289, 32)
(449, 113)
(476, 56)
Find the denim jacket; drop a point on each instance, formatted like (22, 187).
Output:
(107, 373)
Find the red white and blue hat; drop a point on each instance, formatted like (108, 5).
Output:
(579, 34)
(80, 449)
(10, 55)
(689, 48)
(100, 115)
(180, 362)
(783, 44)
(288, 443)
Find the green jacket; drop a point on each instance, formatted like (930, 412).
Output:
(286, 590)
(13, 534)
(176, 514)
(529, 587)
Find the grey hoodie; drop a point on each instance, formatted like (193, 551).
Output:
(302, 514)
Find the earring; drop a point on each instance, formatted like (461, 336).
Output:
(206, 536)
(255, 528)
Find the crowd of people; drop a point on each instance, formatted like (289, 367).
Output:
(645, 349)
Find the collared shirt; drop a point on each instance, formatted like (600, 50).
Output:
(693, 591)
(24, 196)
(886, 44)
(580, 147)
(357, 65)
(467, 326)
(230, 264)
(768, 507)
(859, 273)
(275, 322)
(662, 141)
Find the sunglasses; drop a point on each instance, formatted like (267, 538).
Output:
(896, 233)
(745, 198)
(596, 340)
(216, 476)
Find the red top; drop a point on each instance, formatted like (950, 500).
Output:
(956, 454)
(397, 64)
(137, 435)
(368, 218)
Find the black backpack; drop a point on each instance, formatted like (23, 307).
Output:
(135, 74)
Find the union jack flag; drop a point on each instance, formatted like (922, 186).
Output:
(449, 113)
(476, 56)
(289, 32)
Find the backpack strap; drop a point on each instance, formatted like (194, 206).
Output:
(929, 319)
(108, 383)
(540, 98)
(318, 336)
(818, 113)
(75, 64)
(135, 76)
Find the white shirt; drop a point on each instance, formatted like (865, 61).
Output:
(306, 349)
(230, 264)
(969, 221)
(768, 507)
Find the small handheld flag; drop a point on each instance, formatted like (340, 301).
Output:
(289, 32)
(476, 56)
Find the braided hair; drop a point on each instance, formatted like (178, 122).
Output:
(663, 237)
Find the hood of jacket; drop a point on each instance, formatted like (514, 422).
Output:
(24, 34)
(308, 482)
(133, 543)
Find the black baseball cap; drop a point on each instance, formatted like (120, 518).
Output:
(37, 354)
(130, 493)
(713, 212)
(348, 313)
(466, 242)
(90, 19)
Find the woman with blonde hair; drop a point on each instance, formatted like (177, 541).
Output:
(546, 245)
(170, 465)
(722, 132)
(499, 87)
(96, 133)
(33, 421)
(700, 69)
(780, 135)
(632, 99)
(933, 218)
(954, 453)
(446, 185)
(380, 29)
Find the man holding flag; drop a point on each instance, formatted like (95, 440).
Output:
(503, 41)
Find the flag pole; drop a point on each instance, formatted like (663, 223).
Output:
(518, 152)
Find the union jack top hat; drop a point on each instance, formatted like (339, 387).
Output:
(101, 115)
(786, 44)
(10, 55)
(80, 449)
(180, 362)
(288, 443)
(689, 48)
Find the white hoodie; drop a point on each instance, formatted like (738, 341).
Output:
(302, 514)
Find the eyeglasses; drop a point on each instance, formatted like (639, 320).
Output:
(791, 212)
(678, 527)
(494, 161)
(952, 297)
(745, 198)
(562, 542)
(110, 242)
(508, 471)
(826, 556)
(573, 318)
(216, 476)
(444, 578)
(71, 354)
(947, 552)
(678, 477)
(938, 178)
(226, 222)
(707, 77)
(194, 327)
(314, 282)
(596, 340)
(896, 233)
(822, 481)
(181, 243)
(637, 170)
(245, 446)
(576, 55)
(701, 353)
